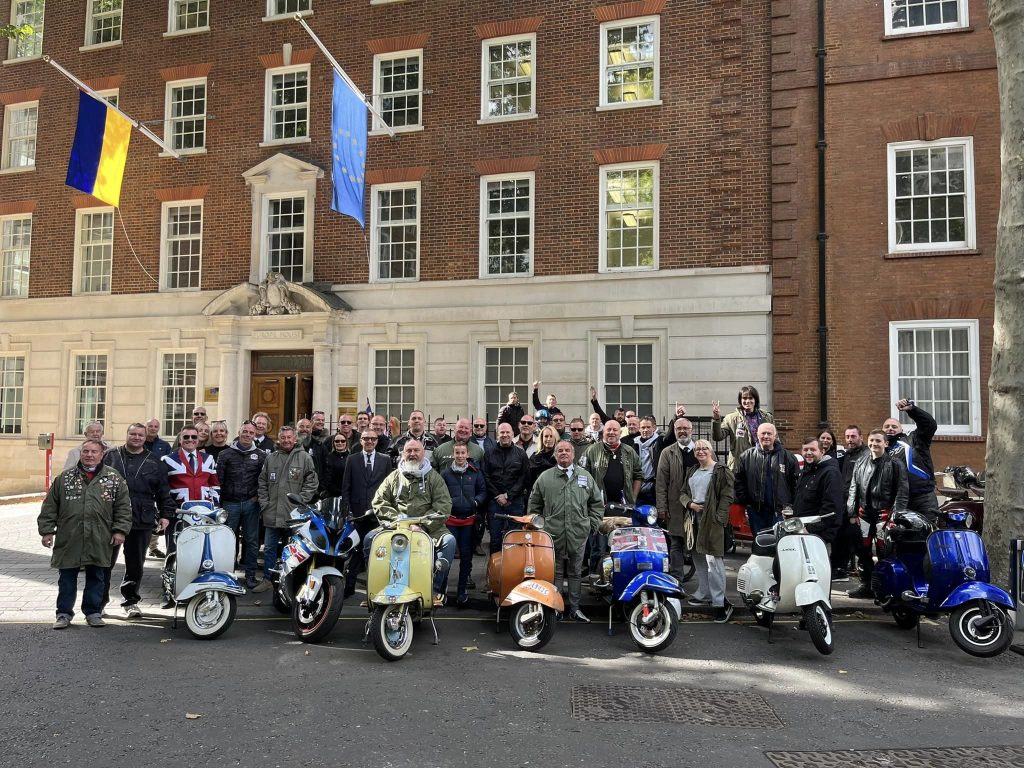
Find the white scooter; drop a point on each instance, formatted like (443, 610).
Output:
(198, 573)
(804, 582)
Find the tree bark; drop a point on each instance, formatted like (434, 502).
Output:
(1004, 460)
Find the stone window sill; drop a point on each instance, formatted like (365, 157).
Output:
(931, 254)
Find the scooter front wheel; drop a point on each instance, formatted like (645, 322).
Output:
(763, 618)
(391, 631)
(312, 623)
(653, 634)
(818, 620)
(981, 628)
(209, 614)
(531, 625)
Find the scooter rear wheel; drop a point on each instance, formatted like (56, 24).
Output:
(531, 635)
(313, 624)
(818, 620)
(391, 643)
(658, 636)
(980, 629)
(209, 614)
(904, 617)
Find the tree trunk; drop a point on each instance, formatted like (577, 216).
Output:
(1004, 461)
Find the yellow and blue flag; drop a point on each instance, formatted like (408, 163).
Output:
(100, 150)
(348, 151)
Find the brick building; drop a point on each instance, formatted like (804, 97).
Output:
(579, 193)
(912, 198)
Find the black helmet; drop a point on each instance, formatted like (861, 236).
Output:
(911, 526)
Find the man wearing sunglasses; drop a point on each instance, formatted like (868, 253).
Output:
(191, 473)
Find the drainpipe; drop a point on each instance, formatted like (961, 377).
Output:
(822, 233)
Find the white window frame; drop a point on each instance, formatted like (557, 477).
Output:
(161, 387)
(273, 15)
(268, 109)
(962, 16)
(89, 45)
(307, 232)
(111, 96)
(372, 370)
(18, 425)
(173, 30)
(166, 240)
(603, 345)
(974, 350)
(378, 127)
(73, 391)
(169, 119)
(375, 237)
(484, 220)
(485, 81)
(603, 223)
(603, 102)
(37, 34)
(5, 149)
(524, 387)
(77, 276)
(3, 258)
(970, 230)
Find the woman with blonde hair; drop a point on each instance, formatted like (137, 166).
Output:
(544, 458)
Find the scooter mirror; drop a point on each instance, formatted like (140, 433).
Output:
(294, 499)
(538, 522)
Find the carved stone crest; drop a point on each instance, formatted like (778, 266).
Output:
(275, 297)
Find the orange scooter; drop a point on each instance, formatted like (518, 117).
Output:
(521, 576)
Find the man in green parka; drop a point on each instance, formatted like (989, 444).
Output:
(87, 512)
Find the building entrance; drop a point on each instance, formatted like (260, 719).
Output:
(282, 385)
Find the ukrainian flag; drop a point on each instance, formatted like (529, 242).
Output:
(100, 150)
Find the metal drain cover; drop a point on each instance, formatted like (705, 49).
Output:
(951, 757)
(695, 706)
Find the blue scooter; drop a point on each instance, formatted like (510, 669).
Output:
(930, 569)
(635, 576)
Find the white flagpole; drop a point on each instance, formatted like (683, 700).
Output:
(142, 129)
(345, 77)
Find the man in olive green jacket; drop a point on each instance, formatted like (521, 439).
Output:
(289, 469)
(90, 511)
(618, 487)
(570, 500)
(443, 456)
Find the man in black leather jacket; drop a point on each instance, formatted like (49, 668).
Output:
(238, 469)
(507, 472)
(914, 452)
(766, 477)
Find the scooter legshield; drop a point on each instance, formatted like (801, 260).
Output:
(811, 592)
(535, 591)
(659, 582)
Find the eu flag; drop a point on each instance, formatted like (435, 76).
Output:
(348, 151)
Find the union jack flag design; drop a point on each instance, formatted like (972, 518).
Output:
(201, 485)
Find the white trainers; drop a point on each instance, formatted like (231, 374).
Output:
(62, 621)
(133, 611)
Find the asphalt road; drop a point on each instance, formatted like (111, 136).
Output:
(119, 696)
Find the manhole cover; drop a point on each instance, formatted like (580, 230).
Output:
(637, 704)
(951, 757)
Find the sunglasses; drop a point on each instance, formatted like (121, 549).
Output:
(189, 437)
(527, 423)
(368, 439)
(479, 426)
(575, 429)
(701, 450)
(198, 413)
(344, 422)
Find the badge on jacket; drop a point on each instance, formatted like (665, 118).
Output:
(273, 477)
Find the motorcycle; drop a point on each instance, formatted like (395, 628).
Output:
(788, 572)
(399, 584)
(635, 576)
(521, 576)
(198, 573)
(310, 584)
(930, 569)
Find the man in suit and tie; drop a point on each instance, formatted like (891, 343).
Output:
(364, 472)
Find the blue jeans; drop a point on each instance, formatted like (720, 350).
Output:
(443, 547)
(246, 515)
(92, 595)
(500, 526)
(464, 541)
(273, 542)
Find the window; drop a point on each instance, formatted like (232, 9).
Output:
(629, 377)
(903, 16)
(506, 225)
(287, 105)
(395, 232)
(629, 217)
(15, 250)
(103, 22)
(177, 390)
(286, 237)
(629, 63)
(931, 195)
(95, 250)
(397, 89)
(19, 148)
(185, 115)
(509, 78)
(182, 245)
(935, 363)
(394, 382)
(12, 395)
(505, 369)
(288, 7)
(188, 15)
(90, 391)
(111, 96)
(29, 12)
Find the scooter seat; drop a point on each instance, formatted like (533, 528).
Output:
(764, 544)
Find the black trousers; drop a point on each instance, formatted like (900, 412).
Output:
(846, 544)
(136, 544)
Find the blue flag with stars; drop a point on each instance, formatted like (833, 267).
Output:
(348, 151)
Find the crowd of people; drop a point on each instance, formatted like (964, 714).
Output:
(112, 498)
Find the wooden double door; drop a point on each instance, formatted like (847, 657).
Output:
(282, 386)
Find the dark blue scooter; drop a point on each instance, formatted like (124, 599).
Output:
(931, 569)
(635, 576)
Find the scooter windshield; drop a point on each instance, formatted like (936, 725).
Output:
(638, 539)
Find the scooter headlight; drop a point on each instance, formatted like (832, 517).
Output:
(970, 573)
(222, 516)
(793, 525)
(399, 542)
(649, 513)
